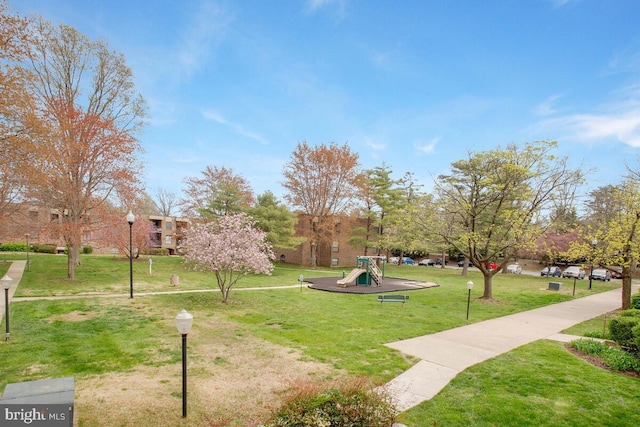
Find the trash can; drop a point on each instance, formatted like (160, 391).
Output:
(175, 280)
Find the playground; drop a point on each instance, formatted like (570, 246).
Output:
(367, 278)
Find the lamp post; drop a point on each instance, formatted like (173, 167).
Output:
(594, 242)
(469, 287)
(130, 219)
(6, 284)
(27, 236)
(184, 321)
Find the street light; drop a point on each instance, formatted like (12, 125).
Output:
(6, 284)
(130, 219)
(27, 236)
(469, 287)
(184, 320)
(594, 242)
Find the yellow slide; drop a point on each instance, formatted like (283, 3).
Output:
(351, 277)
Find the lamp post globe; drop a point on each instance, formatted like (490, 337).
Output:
(184, 321)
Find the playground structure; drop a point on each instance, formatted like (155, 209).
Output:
(366, 272)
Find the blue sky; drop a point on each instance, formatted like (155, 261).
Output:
(413, 84)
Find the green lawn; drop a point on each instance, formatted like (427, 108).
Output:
(538, 384)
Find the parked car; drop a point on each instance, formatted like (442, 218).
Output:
(553, 271)
(616, 273)
(461, 263)
(514, 269)
(439, 261)
(600, 274)
(407, 260)
(574, 272)
(427, 262)
(492, 265)
(394, 260)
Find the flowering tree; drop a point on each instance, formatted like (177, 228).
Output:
(230, 246)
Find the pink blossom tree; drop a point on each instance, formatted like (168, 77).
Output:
(230, 246)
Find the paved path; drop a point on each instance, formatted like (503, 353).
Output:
(15, 273)
(445, 354)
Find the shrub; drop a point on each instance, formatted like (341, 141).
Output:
(621, 329)
(353, 404)
(588, 346)
(620, 360)
(87, 250)
(45, 249)
(157, 251)
(13, 247)
(635, 301)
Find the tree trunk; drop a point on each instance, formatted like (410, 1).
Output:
(626, 291)
(314, 262)
(71, 264)
(488, 286)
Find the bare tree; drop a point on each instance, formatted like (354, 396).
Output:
(322, 182)
(165, 202)
(218, 192)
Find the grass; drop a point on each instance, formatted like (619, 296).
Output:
(100, 340)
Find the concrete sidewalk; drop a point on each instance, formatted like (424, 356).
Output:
(15, 273)
(445, 354)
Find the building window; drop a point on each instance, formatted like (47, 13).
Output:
(334, 261)
(168, 225)
(167, 240)
(33, 215)
(335, 247)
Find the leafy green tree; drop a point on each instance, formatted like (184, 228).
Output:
(274, 218)
(613, 236)
(493, 197)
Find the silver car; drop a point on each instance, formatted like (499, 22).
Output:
(574, 272)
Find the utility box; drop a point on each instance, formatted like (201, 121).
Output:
(175, 280)
(555, 286)
(47, 402)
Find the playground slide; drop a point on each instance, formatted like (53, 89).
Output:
(351, 277)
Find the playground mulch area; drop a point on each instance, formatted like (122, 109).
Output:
(389, 284)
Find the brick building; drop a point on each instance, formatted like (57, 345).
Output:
(333, 251)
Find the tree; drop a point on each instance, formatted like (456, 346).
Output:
(493, 197)
(17, 118)
(614, 228)
(165, 202)
(87, 154)
(274, 218)
(231, 246)
(322, 182)
(218, 192)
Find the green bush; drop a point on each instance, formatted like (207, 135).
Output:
(588, 346)
(87, 250)
(635, 301)
(157, 251)
(44, 249)
(620, 360)
(353, 404)
(13, 247)
(621, 329)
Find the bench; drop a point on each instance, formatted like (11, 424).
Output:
(393, 298)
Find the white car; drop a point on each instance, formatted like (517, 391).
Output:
(514, 269)
(574, 272)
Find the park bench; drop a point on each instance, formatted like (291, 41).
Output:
(393, 298)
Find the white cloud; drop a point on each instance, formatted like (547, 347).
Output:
(375, 146)
(428, 147)
(315, 5)
(546, 108)
(623, 127)
(237, 128)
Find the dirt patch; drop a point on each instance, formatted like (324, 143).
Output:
(230, 383)
(73, 316)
